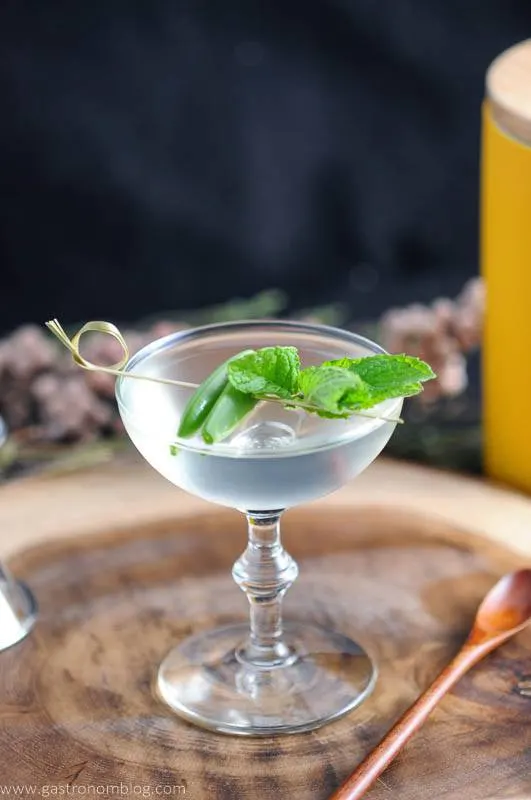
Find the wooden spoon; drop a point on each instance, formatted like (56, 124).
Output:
(505, 611)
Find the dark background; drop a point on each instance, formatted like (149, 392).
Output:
(165, 155)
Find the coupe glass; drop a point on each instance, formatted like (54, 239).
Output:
(269, 676)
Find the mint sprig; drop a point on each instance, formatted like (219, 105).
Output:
(336, 389)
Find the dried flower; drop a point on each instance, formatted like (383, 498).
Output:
(441, 334)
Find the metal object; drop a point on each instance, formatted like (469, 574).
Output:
(18, 609)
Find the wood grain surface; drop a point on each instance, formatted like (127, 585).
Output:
(77, 707)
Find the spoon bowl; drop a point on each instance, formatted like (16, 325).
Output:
(507, 607)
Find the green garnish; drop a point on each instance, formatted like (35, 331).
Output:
(379, 378)
(229, 410)
(204, 399)
(388, 376)
(271, 370)
(335, 389)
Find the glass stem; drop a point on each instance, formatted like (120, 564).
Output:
(265, 571)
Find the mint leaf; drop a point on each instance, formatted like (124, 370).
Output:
(386, 370)
(334, 391)
(388, 376)
(270, 370)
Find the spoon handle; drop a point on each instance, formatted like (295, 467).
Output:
(375, 763)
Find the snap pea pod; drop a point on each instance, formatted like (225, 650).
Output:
(228, 411)
(204, 399)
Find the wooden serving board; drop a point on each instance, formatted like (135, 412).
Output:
(76, 701)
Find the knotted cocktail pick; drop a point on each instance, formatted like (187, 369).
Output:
(117, 369)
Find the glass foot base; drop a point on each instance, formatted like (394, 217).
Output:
(203, 681)
(18, 612)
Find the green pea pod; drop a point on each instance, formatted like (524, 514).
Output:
(204, 399)
(231, 407)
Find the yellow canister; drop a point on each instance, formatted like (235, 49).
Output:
(506, 267)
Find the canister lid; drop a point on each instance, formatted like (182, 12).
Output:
(508, 87)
